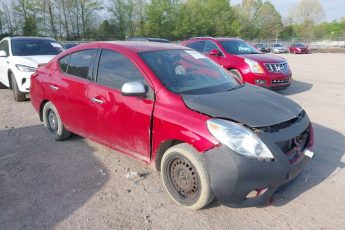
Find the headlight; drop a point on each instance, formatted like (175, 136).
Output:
(239, 138)
(254, 66)
(25, 68)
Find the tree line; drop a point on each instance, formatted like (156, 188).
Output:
(171, 19)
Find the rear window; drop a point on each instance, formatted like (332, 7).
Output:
(198, 46)
(79, 63)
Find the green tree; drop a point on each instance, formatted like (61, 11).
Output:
(268, 21)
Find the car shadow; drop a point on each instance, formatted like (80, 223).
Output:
(42, 182)
(327, 162)
(296, 87)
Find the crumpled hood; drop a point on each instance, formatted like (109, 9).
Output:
(249, 105)
(32, 61)
(264, 58)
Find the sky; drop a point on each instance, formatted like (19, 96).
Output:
(334, 9)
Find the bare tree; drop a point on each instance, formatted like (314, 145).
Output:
(307, 12)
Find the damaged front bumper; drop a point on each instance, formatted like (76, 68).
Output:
(234, 177)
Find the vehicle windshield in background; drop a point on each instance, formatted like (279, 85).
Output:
(188, 72)
(33, 47)
(299, 45)
(238, 47)
(277, 45)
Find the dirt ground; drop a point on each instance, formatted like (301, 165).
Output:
(78, 184)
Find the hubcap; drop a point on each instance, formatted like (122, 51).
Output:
(183, 178)
(52, 121)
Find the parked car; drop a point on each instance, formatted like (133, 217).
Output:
(19, 57)
(172, 107)
(148, 39)
(299, 48)
(68, 45)
(245, 61)
(278, 48)
(263, 48)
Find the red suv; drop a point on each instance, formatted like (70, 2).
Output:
(245, 61)
(208, 134)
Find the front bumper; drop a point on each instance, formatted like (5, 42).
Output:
(23, 80)
(233, 176)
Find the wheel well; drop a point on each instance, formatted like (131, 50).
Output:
(162, 149)
(9, 72)
(41, 109)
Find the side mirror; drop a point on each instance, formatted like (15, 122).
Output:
(3, 53)
(133, 88)
(215, 52)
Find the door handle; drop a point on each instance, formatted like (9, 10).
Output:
(53, 87)
(98, 101)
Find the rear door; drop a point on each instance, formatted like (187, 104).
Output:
(123, 122)
(69, 89)
(4, 62)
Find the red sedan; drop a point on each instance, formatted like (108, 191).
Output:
(207, 133)
(299, 48)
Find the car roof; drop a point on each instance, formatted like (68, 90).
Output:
(38, 38)
(147, 39)
(140, 46)
(217, 38)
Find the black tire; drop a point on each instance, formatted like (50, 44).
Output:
(237, 74)
(185, 177)
(18, 96)
(2, 86)
(53, 123)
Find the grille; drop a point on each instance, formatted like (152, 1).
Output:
(278, 67)
(295, 147)
(280, 81)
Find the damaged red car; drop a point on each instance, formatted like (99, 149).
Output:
(170, 106)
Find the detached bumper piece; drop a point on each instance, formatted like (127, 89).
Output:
(239, 181)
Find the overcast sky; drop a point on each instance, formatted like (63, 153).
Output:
(334, 9)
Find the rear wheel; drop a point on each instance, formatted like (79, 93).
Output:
(18, 96)
(53, 123)
(185, 177)
(237, 74)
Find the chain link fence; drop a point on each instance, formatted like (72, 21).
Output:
(336, 44)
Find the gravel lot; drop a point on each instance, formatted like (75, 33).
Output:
(78, 184)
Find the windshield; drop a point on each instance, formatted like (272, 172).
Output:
(299, 45)
(32, 47)
(238, 47)
(277, 45)
(188, 72)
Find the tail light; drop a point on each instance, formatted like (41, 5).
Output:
(311, 136)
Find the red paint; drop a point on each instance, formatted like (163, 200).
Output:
(230, 61)
(125, 123)
(300, 49)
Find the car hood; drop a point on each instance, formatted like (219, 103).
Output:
(249, 105)
(279, 48)
(32, 61)
(266, 58)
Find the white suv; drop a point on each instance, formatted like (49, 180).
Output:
(19, 57)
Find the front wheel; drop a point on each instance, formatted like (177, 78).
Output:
(53, 123)
(185, 177)
(18, 96)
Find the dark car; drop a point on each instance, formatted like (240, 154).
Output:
(174, 108)
(299, 48)
(148, 39)
(244, 61)
(263, 48)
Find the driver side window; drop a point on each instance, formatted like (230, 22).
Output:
(209, 46)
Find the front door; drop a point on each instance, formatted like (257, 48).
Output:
(122, 122)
